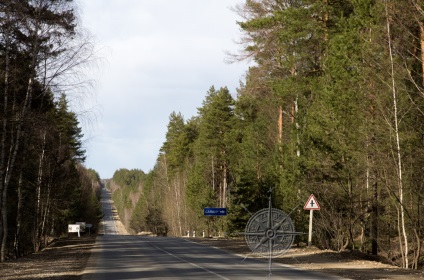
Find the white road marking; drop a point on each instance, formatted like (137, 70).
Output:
(193, 264)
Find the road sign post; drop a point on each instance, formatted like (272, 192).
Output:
(311, 205)
(311, 215)
(213, 211)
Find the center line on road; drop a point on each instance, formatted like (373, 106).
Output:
(193, 264)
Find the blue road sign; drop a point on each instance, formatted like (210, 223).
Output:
(208, 211)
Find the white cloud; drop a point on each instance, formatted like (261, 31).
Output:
(164, 56)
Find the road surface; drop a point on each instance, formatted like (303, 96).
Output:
(109, 224)
(141, 257)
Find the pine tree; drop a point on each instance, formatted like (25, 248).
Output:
(216, 122)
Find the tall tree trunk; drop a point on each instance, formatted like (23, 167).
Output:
(221, 185)
(38, 206)
(372, 194)
(421, 24)
(3, 149)
(374, 222)
(224, 191)
(177, 194)
(16, 245)
(213, 175)
(401, 248)
(295, 110)
(398, 149)
(45, 212)
(420, 11)
(417, 251)
(280, 124)
(297, 126)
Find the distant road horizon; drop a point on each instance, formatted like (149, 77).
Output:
(117, 256)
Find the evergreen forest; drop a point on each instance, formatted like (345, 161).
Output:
(44, 185)
(333, 105)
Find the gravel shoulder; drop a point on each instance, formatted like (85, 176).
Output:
(67, 258)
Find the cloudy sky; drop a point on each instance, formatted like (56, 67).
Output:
(160, 56)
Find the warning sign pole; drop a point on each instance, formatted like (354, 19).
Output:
(311, 205)
(311, 214)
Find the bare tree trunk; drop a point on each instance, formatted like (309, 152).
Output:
(178, 203)
(372, 195)
(38, 208)
(45, 213)
(297, 126)
(417, 254)
(421, 27)
(374, 223)
(213, 175)
(280, 124)
(421, 24)
(401, 248)
(398, 149)
(16, 245)
(224, 192)
(220, 198)
(295, 110)
(3, 186)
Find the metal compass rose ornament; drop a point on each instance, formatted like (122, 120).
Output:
(270, 232)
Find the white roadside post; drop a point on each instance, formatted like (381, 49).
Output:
(311, 205)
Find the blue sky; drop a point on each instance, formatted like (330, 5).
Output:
(159, 56)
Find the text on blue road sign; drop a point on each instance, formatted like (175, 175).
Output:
(208, 211)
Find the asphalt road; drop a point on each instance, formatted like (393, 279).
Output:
(140, 257)
(109, 225)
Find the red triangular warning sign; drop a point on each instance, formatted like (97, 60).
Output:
(312, 204)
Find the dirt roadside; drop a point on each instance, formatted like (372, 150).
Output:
(66, 259)
(344, 264)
